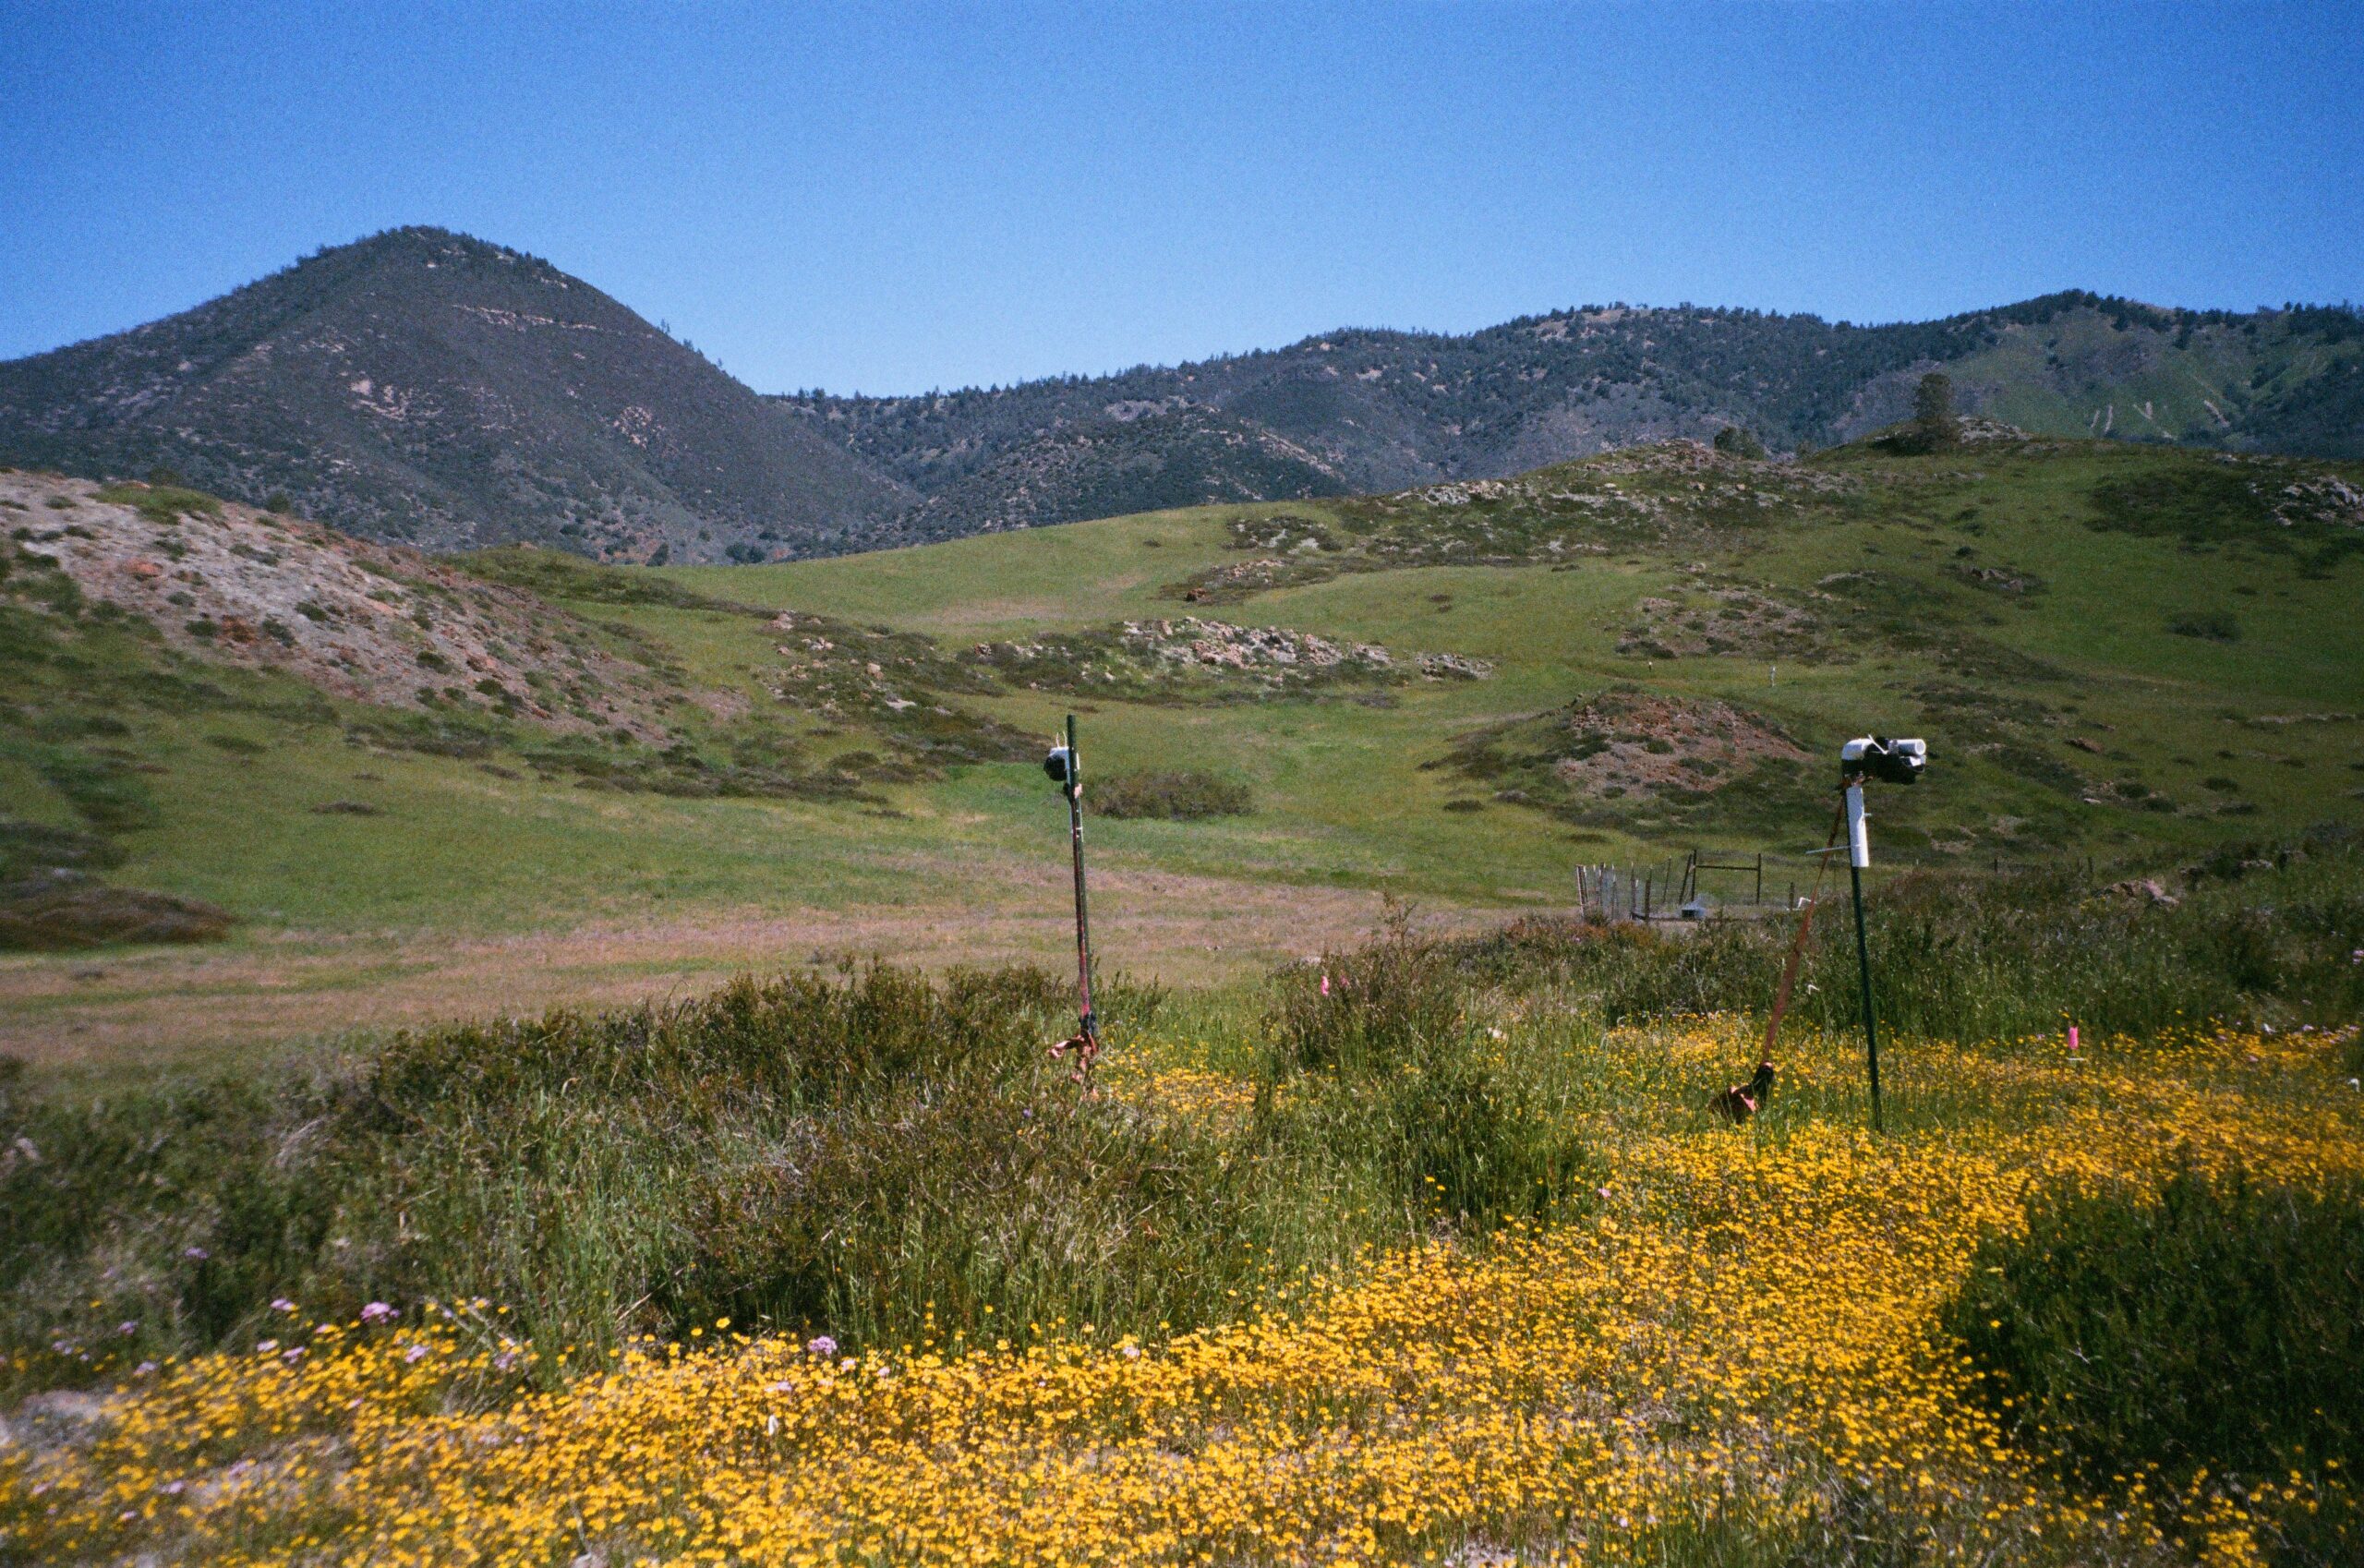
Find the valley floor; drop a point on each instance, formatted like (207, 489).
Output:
(127, 1011)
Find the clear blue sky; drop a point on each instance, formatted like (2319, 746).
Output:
(893, 198)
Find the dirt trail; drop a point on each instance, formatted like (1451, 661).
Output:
(121, 1010)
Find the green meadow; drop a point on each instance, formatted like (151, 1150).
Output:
(2123, 653)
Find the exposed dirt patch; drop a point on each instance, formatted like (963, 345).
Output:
(1642, 761)
(1634, 741)
(375, 623)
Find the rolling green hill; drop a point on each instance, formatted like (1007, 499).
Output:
(1455, 693)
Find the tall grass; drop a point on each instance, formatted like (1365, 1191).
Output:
(1378, 1056)
(2213, 1326)
(876, 1157)
(889, 1160)
(1969, 957)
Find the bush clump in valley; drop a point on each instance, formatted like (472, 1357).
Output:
(1182, 795)
(889, 1159)
(2209, 626)
(2210, 1326)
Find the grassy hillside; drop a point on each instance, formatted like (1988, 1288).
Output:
(2109, 645)
(2127, 652)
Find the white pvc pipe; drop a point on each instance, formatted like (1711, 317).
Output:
(1859, 842)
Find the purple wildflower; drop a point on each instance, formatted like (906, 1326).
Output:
(378, 1312)
(822, 1344)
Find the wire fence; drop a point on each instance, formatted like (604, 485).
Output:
(1692, 885)
(1703, 883)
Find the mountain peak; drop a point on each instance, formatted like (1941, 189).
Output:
(430, 387)
(427, 386)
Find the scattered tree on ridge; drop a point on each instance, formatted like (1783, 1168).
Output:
(1740, 441)
(1935, 425)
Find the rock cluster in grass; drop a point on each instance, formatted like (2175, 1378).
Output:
(1188, 657)
(1219, 645)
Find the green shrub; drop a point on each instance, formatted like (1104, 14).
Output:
(1368, 1011)
(2213, 1326)
(1186, 795)
(161, 503)
(2213, 626)
(1373, 1056)
(1458, 1133)
(1738, 440)
(981, 1203)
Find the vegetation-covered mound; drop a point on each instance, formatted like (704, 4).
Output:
(1138, 461)
(1179, 795)
(422, 387)
(1624, 756)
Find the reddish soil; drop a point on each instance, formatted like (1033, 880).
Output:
(1633, 740)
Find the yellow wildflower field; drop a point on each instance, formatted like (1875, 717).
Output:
(1730, 1346)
